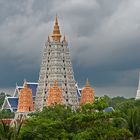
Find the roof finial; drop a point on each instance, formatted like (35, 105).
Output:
(139, 82)
(87, 83)
(48, 38)
(56, 20)
(25, 83)
(56, 32)
(55, 83)
(64, 39)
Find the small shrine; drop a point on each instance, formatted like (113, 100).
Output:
(54, 95)
(25, 101)
(87, 94)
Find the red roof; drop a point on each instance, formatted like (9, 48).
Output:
(6, 121)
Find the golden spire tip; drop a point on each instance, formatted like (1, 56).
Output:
(56, 20)
(55, 82)
(56, 36)
(64, 39)
(48, 38)
(87, 83)
(25, 83)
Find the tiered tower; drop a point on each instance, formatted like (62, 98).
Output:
(87, 95)
(54, 95)
(56, 65)
(25, 101)
(138, 91)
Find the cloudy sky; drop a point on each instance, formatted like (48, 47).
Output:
(103, 36)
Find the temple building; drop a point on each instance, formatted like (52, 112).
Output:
(11, 103)
(25, 101)
(56, 65)
(56, 84)
(87, 95)
(138, 91)
(54, 95)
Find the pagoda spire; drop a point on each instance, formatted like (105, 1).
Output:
(64, 39)
(54, 66)
(56, 36)
(54, 95)
(48, 38)
(87, 83)
(25, 100)
(138, 90)
(139, 82)
(25, 83)
(55, 84)
(87, 94)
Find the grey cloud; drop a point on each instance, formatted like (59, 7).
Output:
(117, 38)
(103, 38)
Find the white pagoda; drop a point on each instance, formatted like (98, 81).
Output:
(56, 65)
(138, 91)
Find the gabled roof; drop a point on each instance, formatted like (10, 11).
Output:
(19, 88)
(78, 92)
(6, 104)
(108, 109)
(32, 86)
(13, 101)
(10, 103)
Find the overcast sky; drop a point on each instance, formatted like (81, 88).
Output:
(103, 37)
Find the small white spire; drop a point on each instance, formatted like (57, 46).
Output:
(138, 91)
(139, 82)
(25, 83)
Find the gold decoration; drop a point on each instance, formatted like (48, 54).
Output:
(56, 32)
(87, 94)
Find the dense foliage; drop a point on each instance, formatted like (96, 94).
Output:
(89, 122)
(4, 114)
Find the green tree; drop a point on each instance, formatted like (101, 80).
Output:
(129, 116)
(6, 114)
(9, 132)
(79, 125)
(133, 121)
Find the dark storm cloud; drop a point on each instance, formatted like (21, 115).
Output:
(103, 37)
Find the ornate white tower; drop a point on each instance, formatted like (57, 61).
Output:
(56, 65)
(138, 91)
